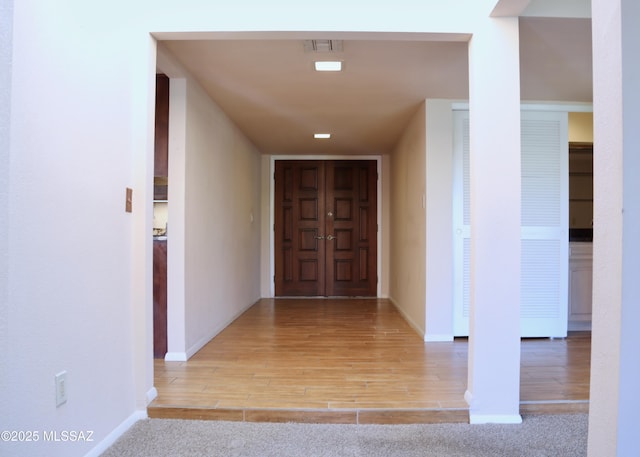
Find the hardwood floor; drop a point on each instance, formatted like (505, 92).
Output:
(350, 361)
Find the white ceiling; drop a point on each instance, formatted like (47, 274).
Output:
(271, 91)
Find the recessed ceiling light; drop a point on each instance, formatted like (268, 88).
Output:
(322, 135)
(328, 65)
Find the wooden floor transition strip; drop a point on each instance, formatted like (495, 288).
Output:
(560, 407)
(315, 416)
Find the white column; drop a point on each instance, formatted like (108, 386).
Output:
(142, 105)
(615, 371)
(176, 226)
(494, 335)
(438, 203)
(6, 49)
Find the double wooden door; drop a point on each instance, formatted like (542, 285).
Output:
(326, 228)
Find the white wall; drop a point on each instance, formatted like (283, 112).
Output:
(267, 285)
(222, 220)
(69, 302)
(407, 222)
(615, 373)
(6, 41)
(176, 217)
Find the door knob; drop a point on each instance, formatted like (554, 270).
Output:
(330, 214)
(331, 237)
(319, 237)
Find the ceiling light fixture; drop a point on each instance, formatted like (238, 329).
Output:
(322, 135)
(328, 65)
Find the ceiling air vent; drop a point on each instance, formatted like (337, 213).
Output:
(323, 45)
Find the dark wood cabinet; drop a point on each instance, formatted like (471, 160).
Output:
(159, 298)
(161, 154)
(160, 192)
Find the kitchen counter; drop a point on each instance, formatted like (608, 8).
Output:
(581, 234)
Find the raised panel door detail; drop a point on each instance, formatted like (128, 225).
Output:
(287, 265)
(343, 271)
(308, 270)
(309, 178)
(363, 233)
(343, 178)
(343, 209)
(308, 239)
(364, 188)
(287, 224)
(364, 262)
(309, 209)
(344, 240)
(287, 184)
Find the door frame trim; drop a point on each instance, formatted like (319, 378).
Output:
(272, 169)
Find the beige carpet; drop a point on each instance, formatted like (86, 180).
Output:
(537, 436)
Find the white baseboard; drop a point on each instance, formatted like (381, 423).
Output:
(421, 331)
(437, 338)
(495, 418)
(175, 357)
(476, 418)
(204, 340)
(116, 433)
(468, 397)
(184, 356)
(407, 318)
(579, 326)
(151, 394)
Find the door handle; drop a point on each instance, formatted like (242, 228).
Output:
(319, 237)
(331, 237)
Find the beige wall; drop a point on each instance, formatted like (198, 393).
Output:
(222, 220)
(439, 221)
(407, 222)
(581, 127)
(213, 216)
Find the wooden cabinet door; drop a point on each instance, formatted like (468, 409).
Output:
(325, 228)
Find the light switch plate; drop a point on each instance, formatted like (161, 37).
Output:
(129, 200)
(61, 388)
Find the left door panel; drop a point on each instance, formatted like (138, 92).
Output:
(299, 213)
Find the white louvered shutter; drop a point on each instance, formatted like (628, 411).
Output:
(461, 224)
(545, 219)
(544, 213)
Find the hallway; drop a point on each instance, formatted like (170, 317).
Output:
(351, 361)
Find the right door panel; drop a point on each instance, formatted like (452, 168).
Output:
(351, 220)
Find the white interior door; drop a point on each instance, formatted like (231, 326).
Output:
(461, 223)
(544, 233)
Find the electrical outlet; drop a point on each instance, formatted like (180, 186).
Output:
(61, 388)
